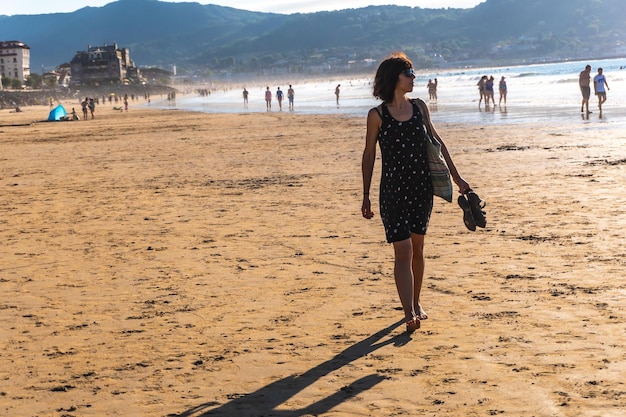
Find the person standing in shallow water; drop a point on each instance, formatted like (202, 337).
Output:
(503, 90)
(481, 89)
(489, 94)
(290, 95)
(584, 79)
(432, 89)
(279, 97)
(599, 82)
(268, 99)
(399, 126)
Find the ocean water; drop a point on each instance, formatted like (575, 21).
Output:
(536, 93)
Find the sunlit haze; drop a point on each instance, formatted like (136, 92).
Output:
(274, 6)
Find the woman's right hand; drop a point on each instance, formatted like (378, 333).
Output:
(366, 208)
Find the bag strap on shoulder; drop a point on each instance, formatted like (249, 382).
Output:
(421, 106)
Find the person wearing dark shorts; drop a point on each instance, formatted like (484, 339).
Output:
(400, 127)
(584, 79)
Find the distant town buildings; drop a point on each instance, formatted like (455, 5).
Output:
(106, 64)
(14, 60)
(60, 77)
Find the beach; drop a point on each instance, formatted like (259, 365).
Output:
(541, 93)
(172, 263)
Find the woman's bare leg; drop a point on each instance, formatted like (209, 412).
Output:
(417, 266)
(403, 275)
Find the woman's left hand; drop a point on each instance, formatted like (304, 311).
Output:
(464, 186)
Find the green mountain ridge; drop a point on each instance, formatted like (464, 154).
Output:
(213, 38)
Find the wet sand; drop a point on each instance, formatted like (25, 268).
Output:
(168, 263)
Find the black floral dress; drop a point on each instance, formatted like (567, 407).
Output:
(406, 192)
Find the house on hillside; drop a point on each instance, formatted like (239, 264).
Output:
(106, 64)
(14, 60)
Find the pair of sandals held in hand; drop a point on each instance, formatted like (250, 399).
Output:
(473, 214)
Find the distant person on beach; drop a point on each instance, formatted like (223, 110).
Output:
(268, 99)
(432, 90)
(599, 82)
(503, 90)
(84, 105)
(430, 87)
(245, 98)
(481, 89)
(399, 125)
(290, 96)
(584, 79)
(489, 92)
(337, 91)
(92, 107)
(279, 97)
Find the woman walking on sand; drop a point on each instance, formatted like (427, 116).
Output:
(399, 126)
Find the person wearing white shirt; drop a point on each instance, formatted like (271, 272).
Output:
(599, 82)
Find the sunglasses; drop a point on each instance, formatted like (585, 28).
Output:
(409, 72)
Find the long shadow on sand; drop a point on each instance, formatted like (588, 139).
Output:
(264, 401)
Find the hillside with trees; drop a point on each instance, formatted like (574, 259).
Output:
(213, 39)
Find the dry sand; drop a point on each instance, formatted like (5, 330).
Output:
(163, 263)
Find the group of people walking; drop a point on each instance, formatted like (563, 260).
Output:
(486, 90)
(268, 98)
(600, 86)
(291, 93)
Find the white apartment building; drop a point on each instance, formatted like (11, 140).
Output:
(14, 59)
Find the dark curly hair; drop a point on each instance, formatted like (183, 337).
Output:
(387, 75)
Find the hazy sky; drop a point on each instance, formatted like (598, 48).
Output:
(12, 7)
